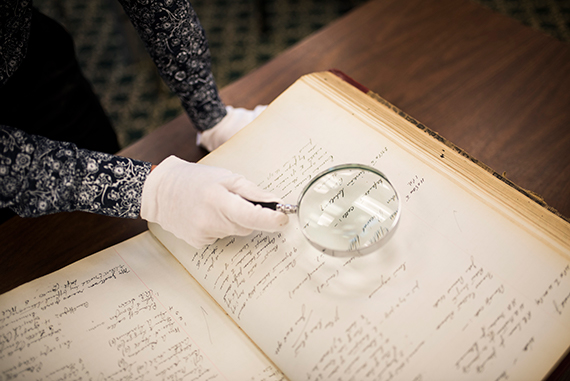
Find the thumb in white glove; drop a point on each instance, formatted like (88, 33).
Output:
(235, 120)
(200, 203)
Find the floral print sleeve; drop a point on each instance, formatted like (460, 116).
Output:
(176, 41)
(15, 19)
(172, 34)
(40, 176)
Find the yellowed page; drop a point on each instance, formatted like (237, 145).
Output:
(463, 290)
(130, 312)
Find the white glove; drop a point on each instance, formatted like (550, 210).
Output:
(200, 203)
(235, 120)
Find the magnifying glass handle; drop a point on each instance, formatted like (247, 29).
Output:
(283, 208)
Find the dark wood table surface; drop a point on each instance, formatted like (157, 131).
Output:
(496, 88)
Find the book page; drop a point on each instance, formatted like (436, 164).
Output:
(461, 290)
(130, 312)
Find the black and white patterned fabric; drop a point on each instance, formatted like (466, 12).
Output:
(177, 43)
(39, 176)
(15, 19)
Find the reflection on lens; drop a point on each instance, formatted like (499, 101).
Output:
(348, 210)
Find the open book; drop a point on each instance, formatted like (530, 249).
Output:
(474, 284)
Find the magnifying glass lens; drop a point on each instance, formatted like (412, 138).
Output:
(348, 209)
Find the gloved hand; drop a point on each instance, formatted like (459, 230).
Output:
(200, 203)
(235, 120)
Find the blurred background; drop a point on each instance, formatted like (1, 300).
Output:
(243, 35)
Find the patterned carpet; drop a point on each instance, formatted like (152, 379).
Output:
(243, 34)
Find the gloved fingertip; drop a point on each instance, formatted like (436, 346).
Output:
(259, 109)
(277, 221)
(199, 243)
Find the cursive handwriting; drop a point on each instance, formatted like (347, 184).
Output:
(298, 170)
(363, 352)
(414, 184)
(557, 291)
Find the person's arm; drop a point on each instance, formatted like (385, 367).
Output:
(177, 43)
(15, 21)
(197, 203)
(40, 176)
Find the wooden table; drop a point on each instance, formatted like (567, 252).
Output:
(496, 88)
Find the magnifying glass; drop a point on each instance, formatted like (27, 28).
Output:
(347, 210)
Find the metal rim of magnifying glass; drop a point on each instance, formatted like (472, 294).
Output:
(369, 247)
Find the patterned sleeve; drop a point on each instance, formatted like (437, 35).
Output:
(176, 41)
(40, 176)
(15, 20)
